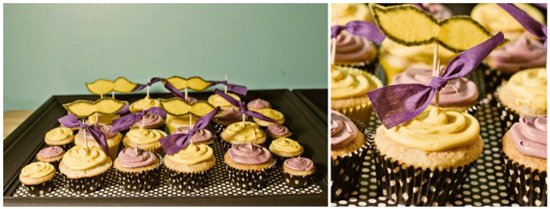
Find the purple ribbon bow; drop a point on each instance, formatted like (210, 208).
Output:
(71, 121)
(529, 23)
(242, 90)
(125, 122)
(124, 110)
(397, 104)
(359, 28)
(173, 143)
(242, 107)
(167, 85)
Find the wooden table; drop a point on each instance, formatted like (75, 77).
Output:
(12, 119)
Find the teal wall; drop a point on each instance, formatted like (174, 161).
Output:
(53, 49)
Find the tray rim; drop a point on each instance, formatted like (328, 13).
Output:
(300, 93)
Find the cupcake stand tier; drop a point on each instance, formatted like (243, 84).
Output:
(22, 145)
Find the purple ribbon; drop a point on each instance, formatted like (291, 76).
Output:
(397, 104)
(167, 85)
(242, 90)
(125, 122)
(242, 107)
(529, 23)
(124, 110)
(173, 143)
(359, 28)
(71, 121)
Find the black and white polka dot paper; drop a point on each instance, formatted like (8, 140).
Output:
(219, 185)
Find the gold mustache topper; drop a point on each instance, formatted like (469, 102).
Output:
(104, 86)
(411, 26)
(85, 108)
(178, 107)
(195, 83)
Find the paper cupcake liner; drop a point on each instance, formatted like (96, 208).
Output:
(417, 186)
(507, 116)
(472, 110)
(526, 186)
(187, 181)
(346, 170)
(139, 181)
(40, 189)
(84, 185)
(249, 179)
(296, 181)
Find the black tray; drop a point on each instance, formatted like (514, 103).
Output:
(21, 146)
(316, 100)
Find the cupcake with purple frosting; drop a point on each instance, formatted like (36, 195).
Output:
(248, 165)
(201, 136)
(258, 104)
(298, 172)
(355, 51)
(150, 121)
(51, 154)
(276, 131)
(138, 170)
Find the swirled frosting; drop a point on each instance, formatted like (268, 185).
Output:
(249, 154)
(530, 135)
(457, 93)
(150, 120)
(436, 130)
(229, 116)
(136, 158)
(145, 136)
(349, 83)
(258, 104)
(496, 19)
(276, 130)
(50, 152)
(239, 133)
(273, 114)
(37, 170)
(342, 130)
(353, 49)
(201, 135)
(58, 134)
(285, 147)
(144, 104)
(193, 154)
(84, 158)
(529, 88)
(218, 101)
(299, 164)
(344, 13)
(107, 130)
(520, 54)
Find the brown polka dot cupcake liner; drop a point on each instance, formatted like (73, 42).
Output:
(297, 182)
(85, 185)
(249, 179)
(139, 181)
(492, 79)
(40, 189)
(507, 116)
(187, 182)
(526, 186)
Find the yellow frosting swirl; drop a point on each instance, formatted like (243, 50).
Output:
(348, 83)
(193, 154)
(350, 12)
(144, 104)
(437, 130)
(240, 133)
(84, 158)
(286, 146)
(529, 89)
(145, 136)
(273, 114)
(37, 170)
(218, 101)
(59, 134)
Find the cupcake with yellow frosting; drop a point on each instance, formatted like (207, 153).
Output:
(285, 148)
(138, 170)
(102, 118)
(270, 113)
(226, 117)
(60, 136)
(113, 139)
(249, 165)
(217, 101)
(242, 133)
(84, 168)
(496, 19)
(37, 178)
(348, 92)
(144, 104)
(436, 150)
(524, 94)
(189, 168)
(344, 13)
(145, 139)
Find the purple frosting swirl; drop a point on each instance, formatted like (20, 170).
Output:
(299, 164)
(51, 152)
(229, 116)
(278, 130)
(437, 10)
(258, 104)
(106, 129)
(150, 120)
(202, 135)
(342, 130)
(520, 54)
(530, 136)
(351, 48)
(249, 154)
(136, 158)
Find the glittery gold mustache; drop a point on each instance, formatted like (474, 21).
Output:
(195, 83)
(85, 108)
(178, 107)
(104, 86)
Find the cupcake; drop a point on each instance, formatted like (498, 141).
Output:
(525, 153)
(298, 172)
(102, 118)
(150, 121)
(355, 51)
(189, 168)
(285, 148)
(524, 94)
(460, 94)
(51, 154)
(217, 101)
(37, 178)
(436, 149)
(349, 147)
(241, 133)
(60, 136)
(226, 117)
(201, 136)
(496, 19)
(113, 139)
(344, 13)
(249, 165)
(276, 131)
(137, 170)
(349, 89)
(145, 139)
(84, 168)
(258, 104)
(144, 104)
(270, 113)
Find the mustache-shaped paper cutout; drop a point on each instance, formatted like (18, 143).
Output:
(178, 107)
(104, 86)
(85, 108)
(411, 26)
(195, 83)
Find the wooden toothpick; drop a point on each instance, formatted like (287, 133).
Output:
(225, 86)
(185, 90)
(113, 94)
(435, 70)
